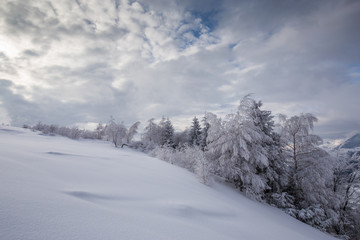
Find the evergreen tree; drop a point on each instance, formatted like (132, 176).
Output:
(237, 148)
(204, 133)
(100, 131)
(167, 133)
(182, 139)
(195, 133)
(275, 173)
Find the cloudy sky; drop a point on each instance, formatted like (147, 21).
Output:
(74, 61)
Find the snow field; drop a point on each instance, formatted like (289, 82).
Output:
(57, 188)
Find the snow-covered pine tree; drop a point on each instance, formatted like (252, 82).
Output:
(195, 133)
(198, 164)
(167, 132)
(276, 173)
(204, 133)
(237, 148)
(182, 138)
(100, 131)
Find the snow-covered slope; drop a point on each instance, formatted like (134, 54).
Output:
(352, 142)
(57, 188)
(349, 148)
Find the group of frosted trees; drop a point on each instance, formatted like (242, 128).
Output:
(161, 134)
(70, 132)
(285, 168)
(117, 133)
(280, 164)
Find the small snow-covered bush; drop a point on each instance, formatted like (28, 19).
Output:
(315, 216)
(191, 158)
(282, 200)
(203, 169)
(163, 153)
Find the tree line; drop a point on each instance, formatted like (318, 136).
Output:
(279, 164)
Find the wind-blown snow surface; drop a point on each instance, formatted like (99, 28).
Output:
(57, 188)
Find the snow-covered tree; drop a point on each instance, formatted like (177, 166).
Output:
(100, 131)
(276, 173)
(311, 171)
(204, 132)
(131, 132)
(190, 157)
(181, 139)
(295, 133)
(164, 153)
(346, 186)
(195, 133)
(116, 132)
(314, 176)
(202, 166)
(75, 133)
(167, 132)
(237, 147)
(152, 135)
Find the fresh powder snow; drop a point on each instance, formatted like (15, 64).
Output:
(56, 188)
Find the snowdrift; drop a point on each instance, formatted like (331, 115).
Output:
(57, 188)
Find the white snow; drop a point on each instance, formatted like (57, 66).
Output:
(57, 188)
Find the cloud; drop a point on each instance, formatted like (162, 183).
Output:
(81, 61)
(17, 108)
(304, 52)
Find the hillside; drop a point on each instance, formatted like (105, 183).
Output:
(57, 188)
(349, 148)
(352, 142)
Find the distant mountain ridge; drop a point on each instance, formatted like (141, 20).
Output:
(350, 143)
(349, 149)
